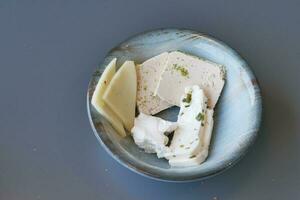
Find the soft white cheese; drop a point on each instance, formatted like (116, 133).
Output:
(148, 75)
(205, 141)
(149, 133)
(187, 139)
(183, 70)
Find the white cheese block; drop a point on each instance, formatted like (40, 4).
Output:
(148, 75)
(191, 120)
(183, 70)
(120, 94)
(98, 102)
(205, 140)
(149, 133)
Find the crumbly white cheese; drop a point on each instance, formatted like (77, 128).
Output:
(187, 139)
(148, 75)
(203, 153)
(149, 133)
(183, 70)
(191, 139)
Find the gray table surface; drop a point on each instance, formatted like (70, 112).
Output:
(48, 51)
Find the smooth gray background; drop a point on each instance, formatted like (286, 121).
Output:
(48, 51)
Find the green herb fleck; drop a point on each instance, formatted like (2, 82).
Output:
(200, 117)
(202, 124)
(188, 98)
(145, 87)
(187, 106)
(187, 147)
(193, 156)
(183, 71)
(174, 156)
(181, 146)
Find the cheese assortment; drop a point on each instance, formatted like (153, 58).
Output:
(166, 80)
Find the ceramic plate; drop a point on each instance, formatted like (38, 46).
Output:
(237, 114)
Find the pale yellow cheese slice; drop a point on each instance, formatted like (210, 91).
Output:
(184, 70)
(148, 75)
(120, 94)
(97, 98)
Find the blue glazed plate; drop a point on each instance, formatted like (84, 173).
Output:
(237, 115)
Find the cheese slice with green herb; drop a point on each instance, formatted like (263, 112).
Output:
(197, 159)
(100, 105)
(183, 70)
(148, 75)
(120, 94)
(187, 139)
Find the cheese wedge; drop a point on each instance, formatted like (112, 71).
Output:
(183, 70)
(148, 75)
(120, 94)
(97, 98)
(187, 139)
(197, 159)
